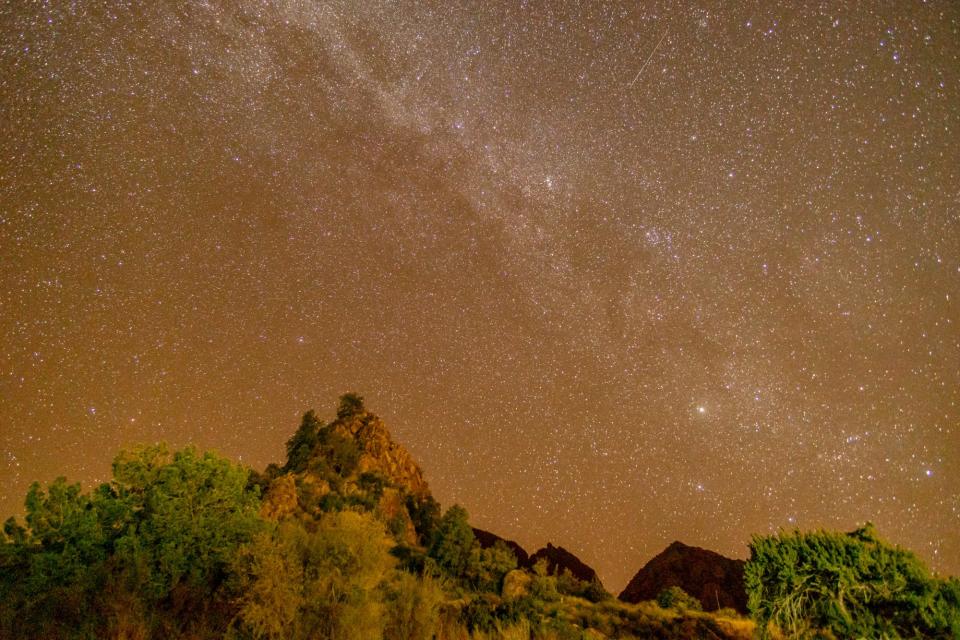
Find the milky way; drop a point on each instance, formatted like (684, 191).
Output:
(615, 274)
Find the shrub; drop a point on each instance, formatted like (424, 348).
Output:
(848, 585)
(677, 598)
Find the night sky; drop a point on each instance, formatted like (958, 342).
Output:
(615, 274)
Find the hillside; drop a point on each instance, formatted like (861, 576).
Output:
(345, 541)
(716, 581)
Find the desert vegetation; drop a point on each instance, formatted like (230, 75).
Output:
(343, 541)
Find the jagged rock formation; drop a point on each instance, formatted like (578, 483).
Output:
(380, 454)
(487, 539)
(560, 560)
(714, 580)
(350, 462)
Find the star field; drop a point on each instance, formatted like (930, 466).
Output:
(616, 274)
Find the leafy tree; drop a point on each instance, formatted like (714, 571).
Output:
(487, 567)
(591, 590)
(55, 565)
(594, 592)
(302, 443)
(342, 453)
(270, 569)
(543, 587)
(350, 404)
(425, 513)
(453, 542)
(192, 512)
(318, 584)
(850, 585)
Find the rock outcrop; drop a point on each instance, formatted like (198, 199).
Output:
(560, 560)
(486, 540)
(351, 462)
(716, 581)
(380, 454)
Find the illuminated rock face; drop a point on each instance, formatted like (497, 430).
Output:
(716, 581)
(300, 493)
(380, 454)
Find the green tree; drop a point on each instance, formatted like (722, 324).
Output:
(487, 567)
(412, 607)
(425, 513)
(318, 584)
(302, 443)
(270, 570)
(192, 513)
(453, 542)
(55, 565)
(543, 587)
(350, 404)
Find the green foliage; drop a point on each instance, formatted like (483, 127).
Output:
(487, 567)
(425, 513)
(159, 538)
(322, 449)
(302, 443)
(849, 585)
(340, 452)
(397, 526)
(677, 598)
(271, 572)
(350, 404)
(372, 483)
(453, 542)
(412, 607)
(480, 613)
(174, 547)
(191, 513)
(592, 590)
(321, 584)
(54, 567)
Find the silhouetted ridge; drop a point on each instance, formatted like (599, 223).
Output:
(714, 580)
(559, 559)
(487, 539)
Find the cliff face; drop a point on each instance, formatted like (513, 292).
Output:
(380, 454)
(349, 463)
(716, 581)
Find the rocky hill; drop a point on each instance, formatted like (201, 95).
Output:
(716, 581)
(560, 560)
(487, 539)
(351, 461)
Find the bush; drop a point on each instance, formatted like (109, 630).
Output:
(849, 585)
(425, 513)
(453, 542)
(350, 404)
(412, 607)
(677, 598)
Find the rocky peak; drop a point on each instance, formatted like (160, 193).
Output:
(379, 453)
(560, 560)
(351, 462)
(487, 539)
(716, 581)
